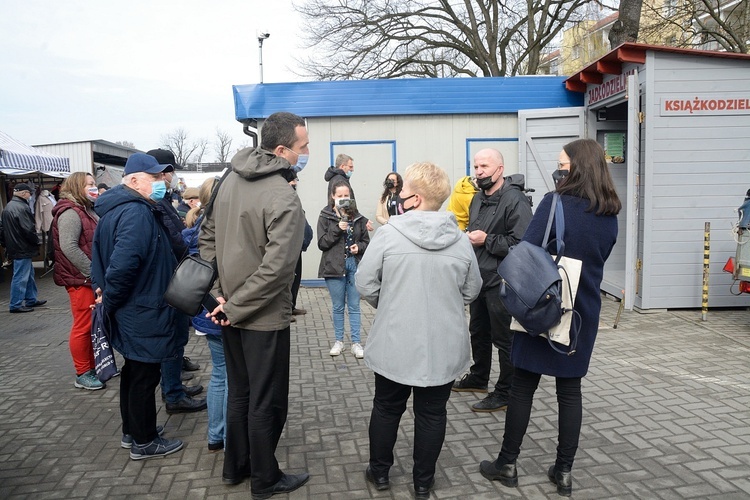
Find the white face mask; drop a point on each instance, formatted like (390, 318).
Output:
(174, 183)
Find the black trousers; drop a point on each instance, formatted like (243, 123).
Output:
(258, 378)
(297, 281)
(570, 414)
(138, 382)
(490, 325)
(430, 418)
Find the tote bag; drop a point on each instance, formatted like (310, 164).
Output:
(104, 357)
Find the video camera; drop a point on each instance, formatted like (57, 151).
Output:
(347, 208)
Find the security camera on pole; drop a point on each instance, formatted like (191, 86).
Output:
(261, 37)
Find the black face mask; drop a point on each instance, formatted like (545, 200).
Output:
(558, 176)
(486, 183)
(400, 204)
(389, 184)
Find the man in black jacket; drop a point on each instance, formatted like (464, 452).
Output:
(21, 244)
(498, 217)
(178, 397)
(342, 170)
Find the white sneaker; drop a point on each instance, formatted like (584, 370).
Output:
(358, 351)
(338, 346)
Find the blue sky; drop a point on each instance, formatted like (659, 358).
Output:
(136, 70)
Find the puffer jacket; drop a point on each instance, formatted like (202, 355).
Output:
(65, 272)
(254, 230)
(132, 262)
(19, 230)
(332, 241)
(458, 204)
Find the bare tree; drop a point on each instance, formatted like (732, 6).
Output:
(625, 29)
(223, 146)
(177, 142)
(200, 150)
(126, 144)
(430, 38)
(708, 24)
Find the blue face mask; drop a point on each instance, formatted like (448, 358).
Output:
(349, 173)
(158, 190)
(301, 163)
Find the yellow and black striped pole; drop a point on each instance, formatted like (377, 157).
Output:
(706, 259)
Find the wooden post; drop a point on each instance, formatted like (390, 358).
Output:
(706, 260)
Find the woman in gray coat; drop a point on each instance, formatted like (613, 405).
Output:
(422, 267)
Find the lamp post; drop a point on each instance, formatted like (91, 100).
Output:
(261, 38)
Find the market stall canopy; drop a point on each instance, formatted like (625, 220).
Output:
(18, 159)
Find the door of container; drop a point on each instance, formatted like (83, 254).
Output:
(542, 134)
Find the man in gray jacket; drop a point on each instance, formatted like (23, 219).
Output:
(254, 231)
(498, 216)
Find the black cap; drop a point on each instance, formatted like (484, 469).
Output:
(164, 156)
(22, 186)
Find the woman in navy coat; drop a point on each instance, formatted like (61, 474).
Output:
(590, 206)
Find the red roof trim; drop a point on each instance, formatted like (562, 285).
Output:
(633, 53)
(609, 67)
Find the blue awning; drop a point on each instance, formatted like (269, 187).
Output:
(407, 96)
(16, 158)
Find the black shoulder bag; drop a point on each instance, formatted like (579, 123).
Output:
(194, 277)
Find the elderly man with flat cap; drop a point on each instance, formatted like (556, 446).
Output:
(18, 232)
(132, 264)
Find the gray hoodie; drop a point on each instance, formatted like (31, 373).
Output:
(419, 271)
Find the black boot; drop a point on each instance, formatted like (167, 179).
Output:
(563, 480)
(506, 474)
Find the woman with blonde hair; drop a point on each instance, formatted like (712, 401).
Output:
(73, 237)
(419, 272)
(216, 397)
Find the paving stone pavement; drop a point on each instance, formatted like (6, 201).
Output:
(666, 416)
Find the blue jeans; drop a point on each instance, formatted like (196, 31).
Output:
(344, 293)
(23, 286)
(217, 391)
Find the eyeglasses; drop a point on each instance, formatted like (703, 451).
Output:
(560, 164)
(291, 150)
